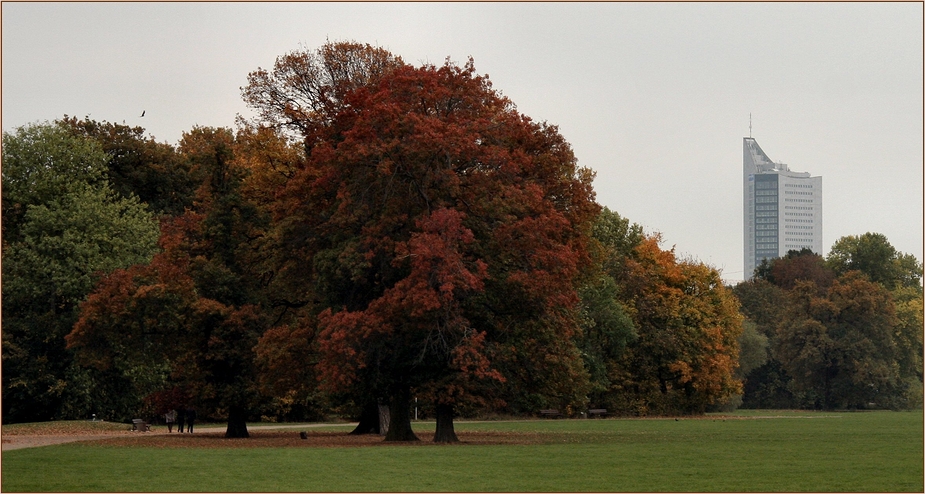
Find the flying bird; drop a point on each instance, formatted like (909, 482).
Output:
(142, 113)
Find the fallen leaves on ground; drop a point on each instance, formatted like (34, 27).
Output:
(65, 428)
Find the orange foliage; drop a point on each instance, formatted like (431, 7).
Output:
(688, 325)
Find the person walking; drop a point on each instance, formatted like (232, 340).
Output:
(181, 415)
(190, 418)
(170, 417)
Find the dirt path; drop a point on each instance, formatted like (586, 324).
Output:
(11, 442)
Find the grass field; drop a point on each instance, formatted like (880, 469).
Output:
(757, 451)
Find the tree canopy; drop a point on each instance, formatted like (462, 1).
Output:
(381, 233)
(843, 331)
(873, 255)
(688, 327)
(63, 227)
(444, 231)
(137, 165)
(188, 320)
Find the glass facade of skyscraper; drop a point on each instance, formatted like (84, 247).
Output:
(782, 209)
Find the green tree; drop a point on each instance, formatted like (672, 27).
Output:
(873, 255)
(66, 228)
(819, 318)
(753, 349)
(42, 162)
(763, 304)
(606, 324)
(68, 241)
(617, 237)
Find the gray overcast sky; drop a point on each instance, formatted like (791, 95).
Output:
(655, 97)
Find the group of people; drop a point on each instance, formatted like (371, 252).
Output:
(181, 417)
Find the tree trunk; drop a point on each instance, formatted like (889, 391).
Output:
(369, 420)
(445, 432)
(400, 420)
(237, 423)
(385, 416)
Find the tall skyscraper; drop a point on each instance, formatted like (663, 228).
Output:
(783, 209)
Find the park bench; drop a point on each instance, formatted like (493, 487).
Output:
(140, 425)
(600, 412)
(552, 412)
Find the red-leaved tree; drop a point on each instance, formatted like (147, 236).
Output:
(186, 324)
(443, 232)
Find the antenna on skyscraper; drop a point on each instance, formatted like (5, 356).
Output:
(749, 125)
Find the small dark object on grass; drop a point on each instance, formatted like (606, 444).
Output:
(303, 435)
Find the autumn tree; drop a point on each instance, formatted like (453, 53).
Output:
(442, 230)
(139, 166)
(844, 332)
(801, 265)
(840, 347)
(306, 89)
(688, 325)
(63, 227)
(195, 312)
(271, 160)
(300, 95)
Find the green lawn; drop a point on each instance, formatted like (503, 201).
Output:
(765, 451)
